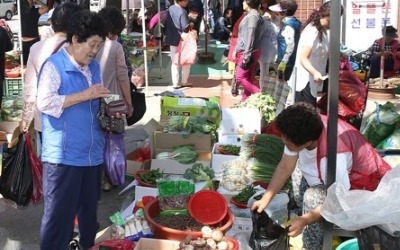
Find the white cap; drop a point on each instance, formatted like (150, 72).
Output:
(275, 8)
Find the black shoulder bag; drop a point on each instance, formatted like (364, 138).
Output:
(138, 104)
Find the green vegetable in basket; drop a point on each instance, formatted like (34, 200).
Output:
(199, 173)
(244, 195)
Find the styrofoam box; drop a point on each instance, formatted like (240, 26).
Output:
(237, 121)
(217, 159)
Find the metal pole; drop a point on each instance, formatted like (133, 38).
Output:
(127, 26)
(382, 63)
(20, 42)
(333, 96)
(146, 73)
(159, 41)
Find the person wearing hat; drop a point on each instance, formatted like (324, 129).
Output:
(391, 54)
(288, 37)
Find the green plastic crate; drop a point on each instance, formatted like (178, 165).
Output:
(12, 86)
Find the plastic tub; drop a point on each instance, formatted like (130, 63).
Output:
(152, 210)
(349, 245)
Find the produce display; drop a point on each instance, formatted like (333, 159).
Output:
(235, 176)
(174, 193)
(261, 101)
(150, 176)
(244, 195)
(191, 125)
(11, 108)
(213, 239)
(265, 148)
(198, 172)
(228, 149)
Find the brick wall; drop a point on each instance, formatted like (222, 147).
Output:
(305, 8)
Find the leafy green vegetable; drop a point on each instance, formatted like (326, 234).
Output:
(199, 173)
(244, 195)
(261, 101)
(192, 125)
(184, 154)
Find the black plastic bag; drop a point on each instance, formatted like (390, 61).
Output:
(266, 234)
(138, 104)
(16, 182)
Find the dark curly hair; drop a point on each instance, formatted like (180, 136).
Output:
(114, 18)
(289, 7)
(300, 123)
(60, 18)
(254, 4)
(84, 24)
(315, 17)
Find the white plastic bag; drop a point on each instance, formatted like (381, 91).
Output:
(357, 209)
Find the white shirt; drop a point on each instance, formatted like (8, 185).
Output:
(307, 163)
(318, 58)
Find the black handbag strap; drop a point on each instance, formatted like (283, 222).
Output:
(59, 46)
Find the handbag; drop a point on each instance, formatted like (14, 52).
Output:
(138, 104)
(109, 124)
(279, 90)
(117, 106)
(186, 51)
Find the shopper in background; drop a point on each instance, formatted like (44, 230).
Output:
(304, 133)
(312, 56)
(69, 88)
(223, 27)
(248, 48)
(288, 37)
(178, 28)
(40, 51)
(112, 63)
(5, 45)
(391, 54)
(268, 41)
(30, 14)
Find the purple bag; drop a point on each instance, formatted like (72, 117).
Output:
(114, 158)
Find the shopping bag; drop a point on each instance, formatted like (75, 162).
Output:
(16, 181)
(37, 171)
(266, 234)
(138, 104)
(279, 90)
(186, 51)
(114, 158)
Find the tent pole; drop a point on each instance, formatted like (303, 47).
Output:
(382, 62)
(161, 38)
(127, 16)
(146, 73)
(333, 96)
(21, 57)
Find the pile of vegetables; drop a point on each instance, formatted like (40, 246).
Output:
(235, 176)
(198, 173)
(265, 148)
(261, 101)
(211, 240)
(192, 125)
(228, 149)
(244, 195)
(151, 176)
(185, 154)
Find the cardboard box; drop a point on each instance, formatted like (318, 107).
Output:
(208, 108)
(165, 142)
(174, 167)
(236, 122)
(217, 159)
(155, 244)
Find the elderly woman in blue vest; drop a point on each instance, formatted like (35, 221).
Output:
(288, 37)
(69, 88)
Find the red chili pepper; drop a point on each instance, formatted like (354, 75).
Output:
(147, 199)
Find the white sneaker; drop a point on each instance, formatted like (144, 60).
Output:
(217, 42)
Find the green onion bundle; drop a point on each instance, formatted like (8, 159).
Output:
(265, 148)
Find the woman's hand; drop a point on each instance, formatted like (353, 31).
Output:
(296, 226)
(318, 77)
(96, 91)
(24, 126)
(260, 205)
